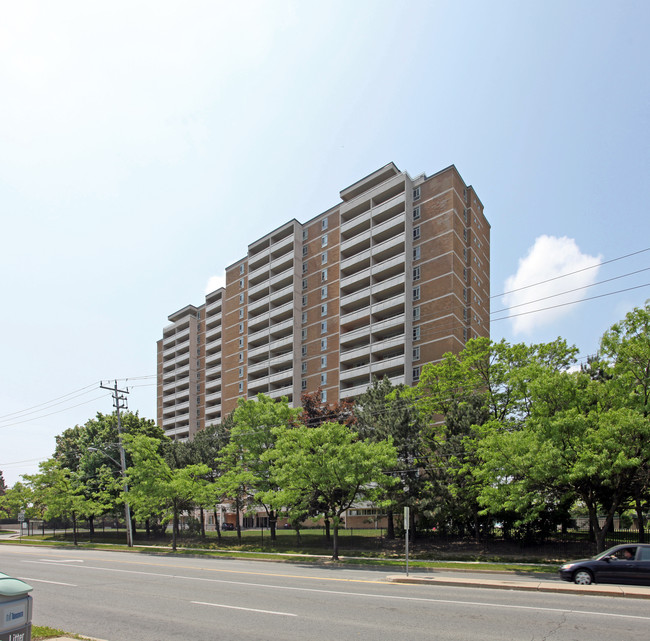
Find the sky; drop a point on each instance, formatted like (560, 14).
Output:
(144, 145)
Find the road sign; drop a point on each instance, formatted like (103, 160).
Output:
(21, 517)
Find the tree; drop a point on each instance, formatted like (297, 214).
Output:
(91, 452)
(332, 464)
(155, 488)
(3, 487)
(248, 473)
(383, 412)
(59, 492)
(315, 412)
(574, 444)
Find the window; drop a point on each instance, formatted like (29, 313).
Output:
(416, 233)
(241, 342)
(241, 312)
(241, 328)
(304, 268)
(323, 396)
(465, 334)
(323, 361)
(416, 373)
(416, 193)
(304, 334)
(305, 234)
(304, 300)
(465, 294)
(416, 213)
(241, 268)
(416, 253)
(303, 384)
(416, 293)
(416, 273)
(323, 224)
(241, 283)
(241, 386)
(465, 215)
(323, 327)
(304, 350)
(241, 298)
(304, 250)
(241, 372)
(465, 254)
(416, 313)
(304, 317)
(323, 309)
(241, 357)
(323, 378)
(304, 283)
(304, 368)
(323, 276)
(323, 258)
(416, 353)
(464, 313)
(323, 292)
(465, 234)
(465, 274)
(416, 333)
(323, 241)
(323, 344)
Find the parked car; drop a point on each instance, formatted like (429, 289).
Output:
(628, 563)
(227, 526)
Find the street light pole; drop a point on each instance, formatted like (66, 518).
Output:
(117, 402)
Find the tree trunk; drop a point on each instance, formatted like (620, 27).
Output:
(390, 524)
(273, 523)
(640, 519)
(327, 530)
(74, 528)
(202, 524)
(217, 527)
(335, 543)
(91, 525)
(174, 529)
(237, 517)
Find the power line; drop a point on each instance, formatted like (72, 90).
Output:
(577, 271)
(88, 388)
(582, 300)
(569, 291)
(37, 418)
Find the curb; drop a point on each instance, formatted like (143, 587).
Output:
(627, 591)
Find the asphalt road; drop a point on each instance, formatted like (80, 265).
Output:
(133, 597)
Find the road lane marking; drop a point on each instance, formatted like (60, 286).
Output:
(234, 607)
(63, 560)
(360, 594)
(71, 585)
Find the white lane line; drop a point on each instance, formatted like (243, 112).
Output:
(363, 594)
(63, 560)
(234, 607)
(71, 585)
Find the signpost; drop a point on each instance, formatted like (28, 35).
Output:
(407, 525)
(21, 519)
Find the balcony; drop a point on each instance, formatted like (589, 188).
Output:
(389, 307)
(258, 291)
(283, 278)
(356, 262)
(391, 267)
(355, 318)
(354, 355)
(362, 371)
(389, 345)
(211, 398)
(355, 300)
(212, 334)
(356, 244)
(213, 308)
(282, 391)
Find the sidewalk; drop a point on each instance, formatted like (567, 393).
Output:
(562, 587)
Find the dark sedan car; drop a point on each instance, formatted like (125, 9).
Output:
(620, 564)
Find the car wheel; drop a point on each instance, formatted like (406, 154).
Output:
(583, 577)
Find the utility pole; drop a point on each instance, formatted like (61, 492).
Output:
(119, 402)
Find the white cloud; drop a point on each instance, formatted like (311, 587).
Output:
(547, 259)
(214, 283)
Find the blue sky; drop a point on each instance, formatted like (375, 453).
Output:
(143, 146)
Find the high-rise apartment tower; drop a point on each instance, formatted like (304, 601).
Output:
(390, 278)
